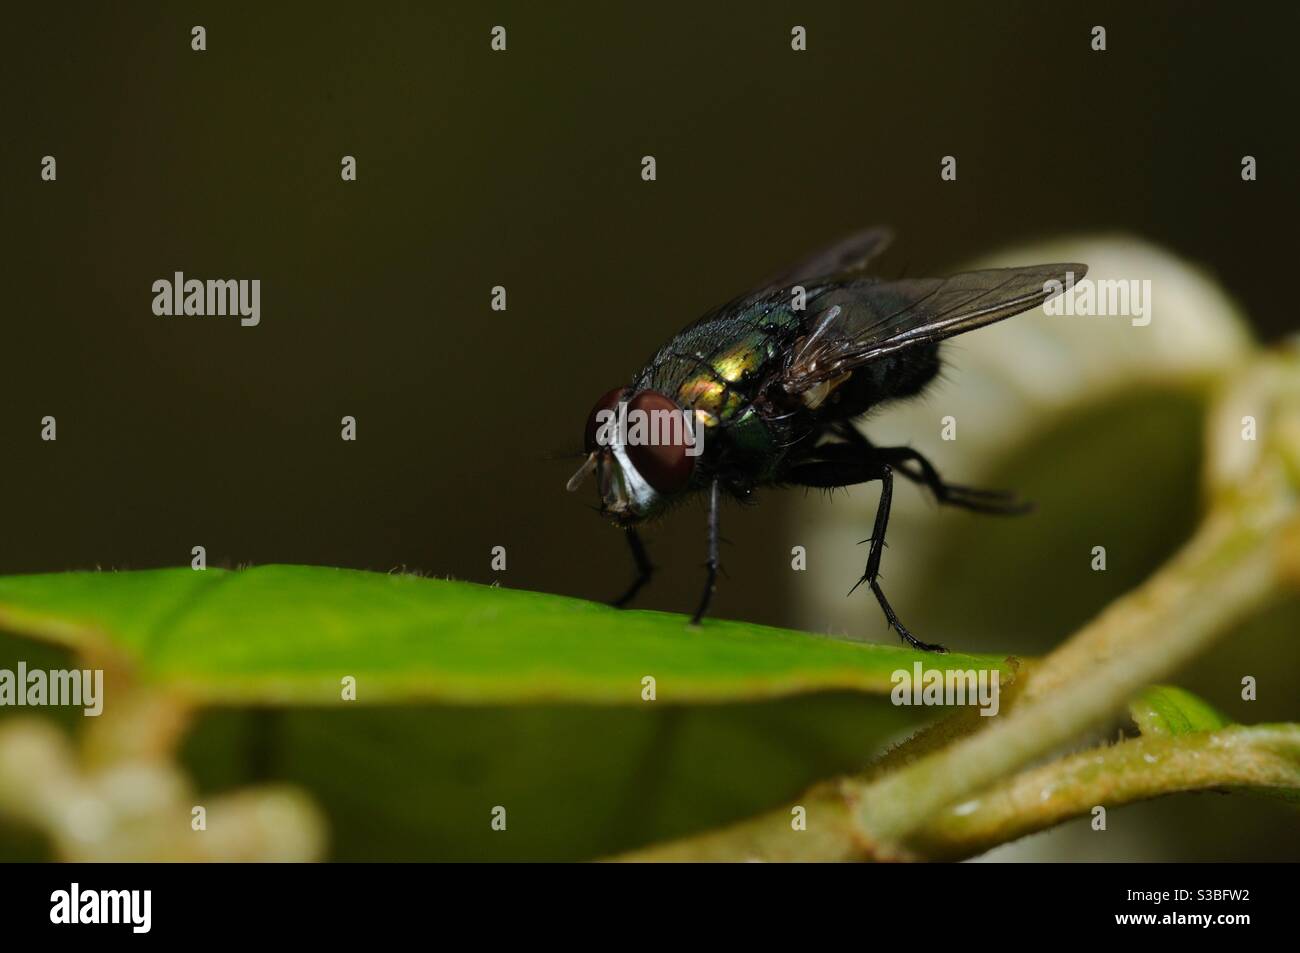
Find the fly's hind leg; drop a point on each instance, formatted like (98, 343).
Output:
(872, 573)
(844, 472)
(913, 465)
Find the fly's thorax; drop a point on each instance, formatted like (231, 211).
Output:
(724, 387)
(751, 438)
(719, 385)
(713, 373)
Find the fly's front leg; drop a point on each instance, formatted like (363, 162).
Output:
(644, 568)
(712, 564)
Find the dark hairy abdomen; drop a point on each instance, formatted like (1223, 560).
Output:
(897, 376)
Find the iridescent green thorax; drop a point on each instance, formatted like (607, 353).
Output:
(714, 392)
(718, 367)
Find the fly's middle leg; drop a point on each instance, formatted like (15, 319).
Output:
(711, 564)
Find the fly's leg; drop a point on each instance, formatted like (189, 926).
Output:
(871, 575)
(644, 568)
(913, 465)
(992, 502)
(711, 566)
(837, 473)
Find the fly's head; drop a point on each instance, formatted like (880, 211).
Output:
(642, 447)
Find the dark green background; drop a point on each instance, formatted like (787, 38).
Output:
(522, 169)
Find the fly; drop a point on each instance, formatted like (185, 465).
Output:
(763, 392)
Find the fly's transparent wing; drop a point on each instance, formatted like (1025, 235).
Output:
(850, 254)
(864, 320)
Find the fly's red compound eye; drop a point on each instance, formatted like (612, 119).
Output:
(663, 462)
(607, 402)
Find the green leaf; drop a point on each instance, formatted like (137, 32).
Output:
(289, 634)
(418, 782)
(1167, 710)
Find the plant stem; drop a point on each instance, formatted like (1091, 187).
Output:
(1262, 756)
(1238, 559)
(1223, 574)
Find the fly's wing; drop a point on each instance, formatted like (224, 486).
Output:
(850, 254)
(864, 320)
